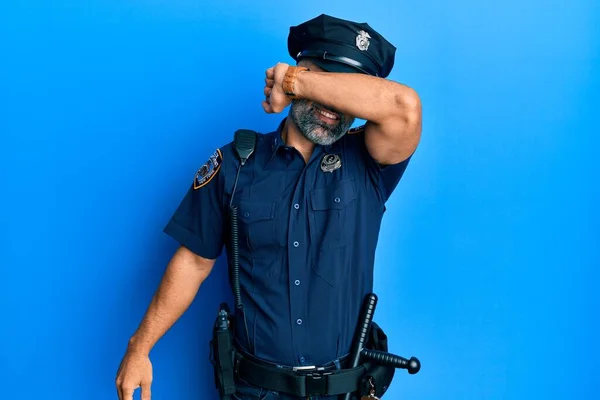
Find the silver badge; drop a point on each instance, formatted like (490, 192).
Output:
(362, 40)
(330, 162)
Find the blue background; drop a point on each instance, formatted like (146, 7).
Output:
(487, 268)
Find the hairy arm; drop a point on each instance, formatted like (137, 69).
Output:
(392, 110)
(182, 279)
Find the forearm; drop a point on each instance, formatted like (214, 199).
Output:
(177, 290)
(366, 97)
(392, 110)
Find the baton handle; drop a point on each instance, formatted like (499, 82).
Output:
(391, 360)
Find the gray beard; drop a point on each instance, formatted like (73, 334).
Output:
(315, 130)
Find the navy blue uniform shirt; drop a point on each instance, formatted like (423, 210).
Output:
(307, 240)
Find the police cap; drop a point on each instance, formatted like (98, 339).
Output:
(339, 45)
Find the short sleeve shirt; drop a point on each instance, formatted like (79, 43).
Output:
(308, 232)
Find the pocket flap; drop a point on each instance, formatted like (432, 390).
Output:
(251, 210)
(334, 197)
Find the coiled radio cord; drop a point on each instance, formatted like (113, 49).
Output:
(235, 259)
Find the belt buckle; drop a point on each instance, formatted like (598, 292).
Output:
(316, 379)
(304, 368)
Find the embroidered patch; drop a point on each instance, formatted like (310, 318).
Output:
(208, 170)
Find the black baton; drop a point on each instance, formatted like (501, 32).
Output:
(362, 332)
(391, 360)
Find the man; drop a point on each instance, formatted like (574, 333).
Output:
(310, 202)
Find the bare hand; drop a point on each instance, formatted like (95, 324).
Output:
(135, 371)
(276, 100)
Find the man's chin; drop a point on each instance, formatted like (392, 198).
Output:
(324, 140)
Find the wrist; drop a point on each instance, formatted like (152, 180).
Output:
(138, 346)
(290, 79)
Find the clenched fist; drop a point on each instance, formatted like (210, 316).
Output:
(135, 371)
(276, 100)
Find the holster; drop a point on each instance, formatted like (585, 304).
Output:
(380, 375)
(222, 353)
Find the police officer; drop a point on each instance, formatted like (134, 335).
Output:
(310, 202)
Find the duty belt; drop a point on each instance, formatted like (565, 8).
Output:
(298, 381)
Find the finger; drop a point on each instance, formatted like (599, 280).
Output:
(271, 73)
(269, 82)
(145, 391)
(119, 379)
(128, 393)
(268, 91)
(119, 391)
(267, 107)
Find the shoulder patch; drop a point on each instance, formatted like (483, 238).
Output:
(208, 170)
(358, 129)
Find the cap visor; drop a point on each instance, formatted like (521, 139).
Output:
(334, 66)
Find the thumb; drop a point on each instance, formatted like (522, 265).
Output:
(267, 107)
(146, 392)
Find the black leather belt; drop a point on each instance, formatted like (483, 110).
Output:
(299, 381)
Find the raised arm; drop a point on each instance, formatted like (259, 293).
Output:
(392, 110)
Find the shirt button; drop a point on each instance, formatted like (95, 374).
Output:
(246, 214)
(299, 321)
(296, 206)
(297, 282)
(302, 359)
(296, 244)
(337, 200)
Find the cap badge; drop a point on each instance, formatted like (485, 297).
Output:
(330, 162)
(362, 40)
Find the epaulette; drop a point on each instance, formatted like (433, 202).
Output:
(358, 129)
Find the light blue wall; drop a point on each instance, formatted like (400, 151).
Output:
(488, 264)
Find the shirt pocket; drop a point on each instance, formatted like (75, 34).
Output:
(331, 206)
(257, 225)
(331, 217)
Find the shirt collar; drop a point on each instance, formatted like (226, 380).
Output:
(276, 142)
(276, 139)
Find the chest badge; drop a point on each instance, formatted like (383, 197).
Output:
(331, 162)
